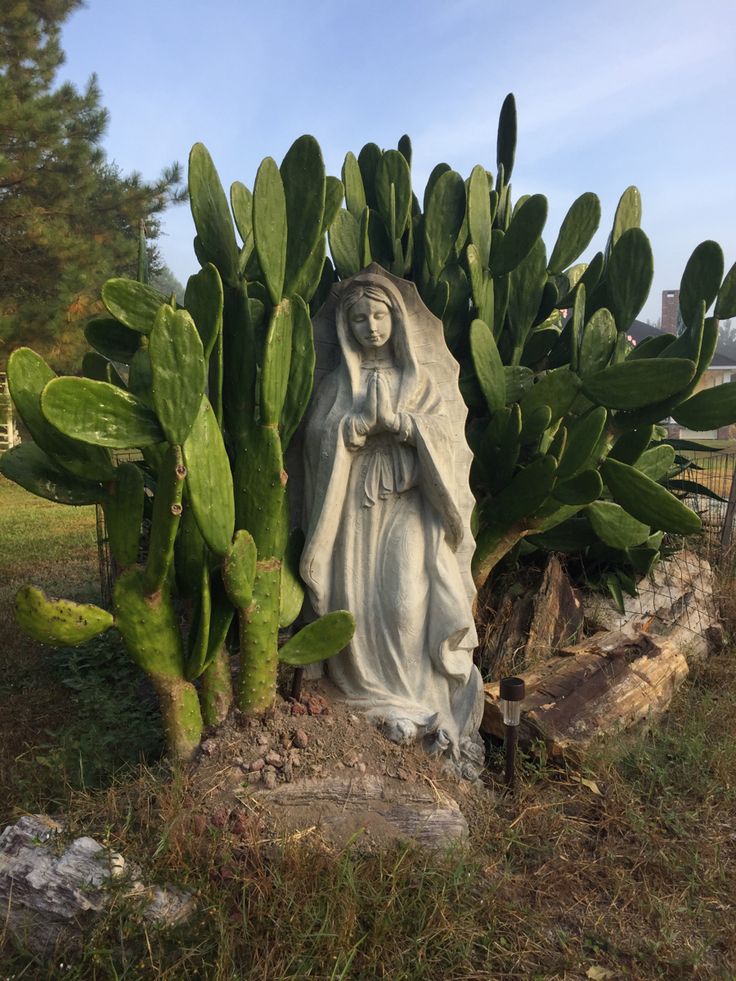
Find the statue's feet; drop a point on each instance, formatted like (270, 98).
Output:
(401, 731)
(438, 743)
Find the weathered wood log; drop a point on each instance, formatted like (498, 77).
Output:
(604, 685)
(528, 628)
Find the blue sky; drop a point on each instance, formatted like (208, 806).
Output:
(609, 94)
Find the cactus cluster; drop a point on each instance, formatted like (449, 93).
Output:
(212, 394)
(562, 415)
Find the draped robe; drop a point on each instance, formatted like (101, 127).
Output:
(382, 535)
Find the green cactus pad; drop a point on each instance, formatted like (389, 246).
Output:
(211, 215)
(292, 589)
(443, 218)
(648, 501)
(479, 214)
(178, 373)
(319, 640)
(634, 384)
(651, 347)
(557, 389)
(241, 204)
(584, 488)
(59, 623)
(578, 228)
(525, 291)
(204, 301)
(656, 462)
(488, 365)
(628, 213)
(701, 280)
(28, 375)
(29, 467)
(199, 634)
(239, 569)
(506, 136)
(629, 273)
(583, 436)
(301, 371)
(132, 303)
(270, 226)
(709, 409)
(726, 303)
(524, 231)
(599, 340)
(615, 526)
(526, 492)
(209, 481)
(630, 446)
(149, 628)
(100, 413)
(276, 363)
(112, 339)
(394, 206)
(344, 237)
(124, 514)
(303, 176)
(352, 180)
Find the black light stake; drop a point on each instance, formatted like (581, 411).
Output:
(512, 695)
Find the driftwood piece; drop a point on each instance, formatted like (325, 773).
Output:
(50, 894)
(604, 685)
(368, 809)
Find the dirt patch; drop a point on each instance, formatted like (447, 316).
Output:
(331, 756)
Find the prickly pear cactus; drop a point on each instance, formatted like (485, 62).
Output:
(562, 416)
(561, 412)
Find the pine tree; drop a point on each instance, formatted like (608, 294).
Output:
(68, 217)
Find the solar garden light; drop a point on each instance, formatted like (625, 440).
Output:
(512, 695)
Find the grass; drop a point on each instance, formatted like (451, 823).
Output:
(629, 873)
(70, 717)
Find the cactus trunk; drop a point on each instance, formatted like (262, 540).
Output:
(180, 713)
(259, 631)
(217, 689)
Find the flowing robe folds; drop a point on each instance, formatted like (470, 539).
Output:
(383, 531)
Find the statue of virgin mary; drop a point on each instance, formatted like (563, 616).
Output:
(388, 506)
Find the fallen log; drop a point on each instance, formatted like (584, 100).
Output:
(609, 683)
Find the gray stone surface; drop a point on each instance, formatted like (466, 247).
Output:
(387, 508)
(49, 894)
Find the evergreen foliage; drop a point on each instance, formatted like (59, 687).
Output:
(68, 216)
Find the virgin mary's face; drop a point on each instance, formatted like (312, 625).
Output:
(370, 322)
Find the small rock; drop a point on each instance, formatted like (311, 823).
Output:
(238, 761)
(209, 746)
(285, 742)
(352, 759)
(262, 740)
(300, 739)
(254, 777)
(361, 767)
(245, 767)
(269, 778)
(353, 718)
(340, 765)
(298, 709)
(220, 817)
(257, 764)
(274, 759)
(295, 757)
(240, 823)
